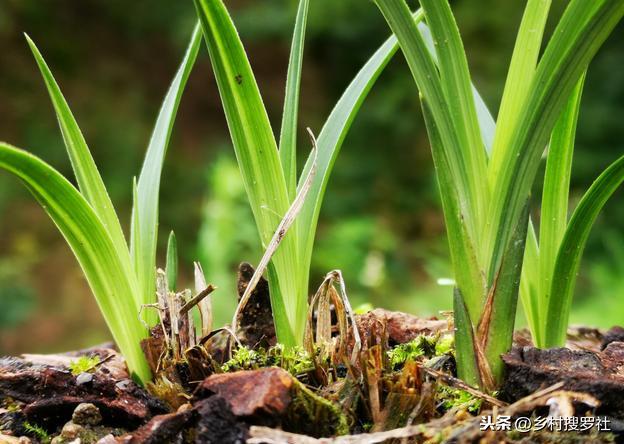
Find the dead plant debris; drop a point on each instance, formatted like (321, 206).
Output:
(379, 377)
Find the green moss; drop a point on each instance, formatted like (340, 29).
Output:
(412, 350)
(84, 364)
(314, 415)
(451, 397)
(445, 345)
(294, 360)
(37, 432)
(10, 405)
(171, 392)
(244, 359)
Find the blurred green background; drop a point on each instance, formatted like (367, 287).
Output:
(381, 221)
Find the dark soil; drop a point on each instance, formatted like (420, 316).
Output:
(399, 387)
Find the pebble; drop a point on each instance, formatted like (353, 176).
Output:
(71, 431)
(123, 384)
(84, 378)
(86, 414)
(8, 439)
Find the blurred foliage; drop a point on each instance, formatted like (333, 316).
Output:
(227, 234)
(380, 223)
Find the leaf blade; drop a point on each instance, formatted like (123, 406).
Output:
(288, 132)
(455, 82)
(571, 250)
(329, 143)
(258, 159)
(518, 82)
(578, 36)
(87, 175)
(172, 262)
(106, 272)
(555, 195)
(145, 209)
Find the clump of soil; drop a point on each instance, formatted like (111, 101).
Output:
(377, 377)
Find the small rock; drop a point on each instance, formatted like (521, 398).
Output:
(8, 439)
(108, 439)
(71, 431)
(84, 378)
(124, 384)
(86, 414)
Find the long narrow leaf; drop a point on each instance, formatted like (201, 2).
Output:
(468, 274)
(487, 125)
(455, 82)
(145, 209)
(465, 341)
(465, 265)
(96, 252)
(87, 175)
(419, 60)
(554, 212)
(571, 251)
(521, 72)
(172, 262)
(258, 159)
(496, 325)
(288, 133)
(330, 141)
(529, 293)
(578, 36)
(338, 123)
(425, 73)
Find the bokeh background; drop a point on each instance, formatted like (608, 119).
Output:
(381, 222)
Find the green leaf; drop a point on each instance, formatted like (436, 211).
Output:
(459, 99)
(519, 76)
(487, 124)
(329, 143)
(529, 294)
(172, 262)
(554, 216)
(143, 244)
(578, 36)
(87, 175)
(102, 263)
(258, 158)
(571, 251)
(496, 325)
(468, 276)
(288, 133)
(458, 148)
(465, 341)
(425, 73)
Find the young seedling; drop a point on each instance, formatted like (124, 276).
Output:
(551, 265)
(485, 172)
(268, 168)
(121, 276)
